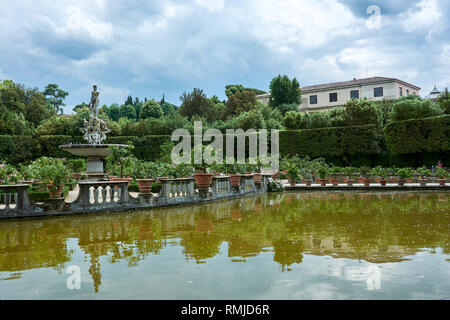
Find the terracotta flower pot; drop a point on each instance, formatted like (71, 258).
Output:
(308, 183)
(401, 182)
(203, 180)
(257, 178)
(349, 182)
(361, 180)
(77, 176)
(441, 181)
(334, 181)
(292, 182)
(382, 181)
(323, 182)
(366, 182)
(235, 179)
(161, 178)
(145, 185)
(123, 179)
(423, 182)
(55, 191)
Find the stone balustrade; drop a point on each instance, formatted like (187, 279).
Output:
(247, 183)
(106, 196)
(17, 202)
(102, 194)
(221, 186)
(176, 190)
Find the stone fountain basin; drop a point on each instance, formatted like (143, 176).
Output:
(90, 150)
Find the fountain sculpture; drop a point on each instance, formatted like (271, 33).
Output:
(95, 130)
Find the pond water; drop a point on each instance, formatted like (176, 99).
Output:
(316, 245)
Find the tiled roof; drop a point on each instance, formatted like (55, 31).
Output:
(357, 82)
(351, 83)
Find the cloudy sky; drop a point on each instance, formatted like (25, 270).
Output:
(147, 48)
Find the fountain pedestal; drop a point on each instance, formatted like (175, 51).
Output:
(95, 154)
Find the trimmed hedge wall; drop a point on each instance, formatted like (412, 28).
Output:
(146, 147)
(404, 143)
(337, 141)
(419, 135)
(14, 149)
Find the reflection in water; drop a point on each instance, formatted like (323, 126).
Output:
(374, 227)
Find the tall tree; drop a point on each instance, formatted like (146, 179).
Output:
(55, 96)
(129, 100)
(151, 109)
(284, 91)
(127, 111)
(197, 104)
(444, 101)
(241, 101)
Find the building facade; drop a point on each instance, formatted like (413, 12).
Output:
(331, 95)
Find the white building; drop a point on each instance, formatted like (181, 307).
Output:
(434, 94)
(331, 95)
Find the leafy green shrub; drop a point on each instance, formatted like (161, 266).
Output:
(404, 173)
(405, 109)
(275, 186)
(441, 173)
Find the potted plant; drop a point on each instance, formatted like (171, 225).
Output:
(163, 171)
(322, 173)
(306, 175)
(202, 177)
(381, 173)
(365, 173)
(53, 172)
(423, 173)
(293, 175)
(26, 174)
(143, 173)
(349, 172)
(403, 174)
(9, 174)
(181, 171)
(392, 172)
(442, 175)
(120, 160)
(77, 166)
(334, 171)
(261, 162)
(234, 171)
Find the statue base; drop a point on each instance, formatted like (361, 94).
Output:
(94, 170)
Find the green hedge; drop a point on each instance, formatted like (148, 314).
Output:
(332, 142)
(14, 149)
(49, 145)
(146, 147)
(419, 135)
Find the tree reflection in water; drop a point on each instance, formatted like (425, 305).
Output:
(377, 227)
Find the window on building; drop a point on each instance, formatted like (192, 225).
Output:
(313, 99)
(407, 92)
(378, 92)
(400, 92)
(354, 94)
(333, 97)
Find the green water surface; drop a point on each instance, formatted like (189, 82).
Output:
(314, 245)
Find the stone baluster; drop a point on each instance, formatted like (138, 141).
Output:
(18, 194)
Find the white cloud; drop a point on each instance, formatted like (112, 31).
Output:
(211, 5)
(425, 16)
(172, 46)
